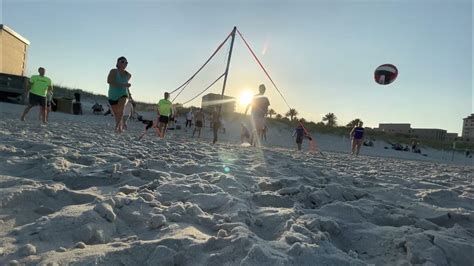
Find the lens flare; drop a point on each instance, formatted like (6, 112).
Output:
(245, 97)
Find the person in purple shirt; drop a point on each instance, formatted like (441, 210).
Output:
(357, 136)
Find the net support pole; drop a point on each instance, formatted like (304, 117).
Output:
(227, 67)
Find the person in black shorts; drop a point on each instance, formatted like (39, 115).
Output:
(39, 85)
(164, 111)
(199, 122)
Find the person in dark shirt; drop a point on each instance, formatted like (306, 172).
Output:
(300, 134)
(357, 136)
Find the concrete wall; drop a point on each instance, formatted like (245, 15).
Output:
(395, 128)
(211, 100)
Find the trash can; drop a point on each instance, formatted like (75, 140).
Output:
(64, 105)
(77, 108)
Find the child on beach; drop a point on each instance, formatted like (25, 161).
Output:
(300, 134)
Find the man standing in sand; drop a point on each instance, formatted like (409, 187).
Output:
(259, 110)
(164, 111)
(216, 124)
(357, 136)
(199, 122)
(38, 88)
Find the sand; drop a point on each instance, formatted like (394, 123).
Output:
(73, 192)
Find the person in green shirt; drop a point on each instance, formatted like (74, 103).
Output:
(164, 111)
(38, 88)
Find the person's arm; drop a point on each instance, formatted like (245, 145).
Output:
(294, 133)
(352, 133)
(29, 84)
(247, 109)
(111, 79)
(50, 87)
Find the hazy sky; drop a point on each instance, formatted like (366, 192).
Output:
(321, 54)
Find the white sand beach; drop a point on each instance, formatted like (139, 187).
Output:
(73, 192)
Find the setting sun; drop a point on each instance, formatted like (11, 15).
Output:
(245, 97)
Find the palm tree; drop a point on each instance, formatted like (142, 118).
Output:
(331, 119)
(278, 116)
(271, 112)
(354, 123)
(291, 113)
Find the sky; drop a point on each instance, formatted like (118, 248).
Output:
(321, 54)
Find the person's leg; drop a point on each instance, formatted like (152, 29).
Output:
(199, 132)
(260, 133)
(120, 110)
(114, 110)
(162, 126)
(163, 132)
(25, 112)
(299, 146)
(157, 126)
(124, 122)
(43, 113)
(215, 130)
(253, 137)
(359, 144)
(48, 111)
(353, 146)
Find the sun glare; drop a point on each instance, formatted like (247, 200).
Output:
(245, 97)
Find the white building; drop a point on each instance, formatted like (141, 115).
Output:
(468, 128)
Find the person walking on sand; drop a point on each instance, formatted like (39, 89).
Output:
(118, 80)
(38, 87)
(357, 136)
(199, 122)
(300, 134)
(189, 118)
(259, 106)
(216, 121)
(164, 111)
